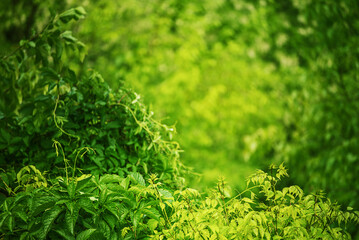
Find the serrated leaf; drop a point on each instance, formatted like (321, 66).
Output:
(110, 178)
(136, 219)
(105, 229)
(152, 213)
(152, 224)
(71, 189)
(138, 178)
(83, 182)
(48, 219)
(84, 235)
(123, 212)
(113, 208)
(87, 205)
(22, 215)
(63, 232)
(167, 195)
(41, 204)
(125, 183)
(19, 197)
(103, 196)
(110, 220)
(70, 220)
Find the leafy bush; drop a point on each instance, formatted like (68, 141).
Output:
(44, 104)
(76, 156)
(114, 207)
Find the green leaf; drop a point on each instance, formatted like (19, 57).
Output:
(84, 235)
(110, 178)
(32, 44)
(152, 213)
(137, 177)
(11, 223)
(136, 219)
(73, 13)
(125, 183)
(105, 229)
(110, 220)
(24, 235)
(22, 215)
(5, 135)
(49, 73)
(152, 224)
(103, 196)
(3, 218)
(166, 194)
(59, 49)
(71, 189)
(113, 208)
(63, 232)
(67, 36)
(113, 125)
(70, 220)
(87, 205)
(48, 219)
(39, 205)
(80, 11)
(83, 182)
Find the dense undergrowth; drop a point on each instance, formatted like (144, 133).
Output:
(81, 161)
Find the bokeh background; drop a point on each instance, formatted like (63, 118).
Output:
(246, 83)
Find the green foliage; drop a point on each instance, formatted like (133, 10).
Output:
(282, 214)
(45, 105)
(114, 207)
(87, 207)
(81, 161)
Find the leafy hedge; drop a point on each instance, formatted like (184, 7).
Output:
(81, 161)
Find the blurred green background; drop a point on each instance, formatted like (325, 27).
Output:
(246, 83)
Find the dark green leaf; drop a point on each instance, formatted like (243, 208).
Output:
(152, 213)
(70, 220)
(48, 219)
(83, 182)
(84, 235)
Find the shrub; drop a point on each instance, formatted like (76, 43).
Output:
(45, 104)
